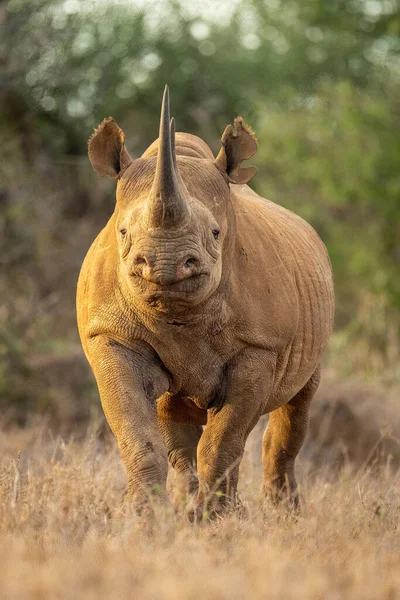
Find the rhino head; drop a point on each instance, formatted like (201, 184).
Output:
(174, 221)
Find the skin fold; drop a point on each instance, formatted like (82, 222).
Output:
(201, 306)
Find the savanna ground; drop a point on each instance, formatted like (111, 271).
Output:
(62, 534)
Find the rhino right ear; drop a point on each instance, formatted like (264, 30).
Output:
(107, 151)
(238, 143)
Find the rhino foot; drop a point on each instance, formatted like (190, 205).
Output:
(291, 500)
(217, 508)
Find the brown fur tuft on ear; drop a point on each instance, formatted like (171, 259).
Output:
(238, 144)
(239, 123)
(106, 148)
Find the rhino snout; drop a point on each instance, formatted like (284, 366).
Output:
(165, 273)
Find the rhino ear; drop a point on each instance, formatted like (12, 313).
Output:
(107, 151)
(238, 144)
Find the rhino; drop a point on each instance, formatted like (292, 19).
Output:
(201, 307)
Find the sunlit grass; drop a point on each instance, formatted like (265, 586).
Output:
(62, 534)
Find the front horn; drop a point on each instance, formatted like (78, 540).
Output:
(167, 205)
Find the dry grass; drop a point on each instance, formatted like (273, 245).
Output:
(57, 539)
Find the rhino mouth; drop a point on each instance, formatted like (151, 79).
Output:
(184, 286)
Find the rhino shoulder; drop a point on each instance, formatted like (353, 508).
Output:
(96, 292)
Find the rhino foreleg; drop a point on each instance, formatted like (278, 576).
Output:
(129, 381)
(181, 442)
(282, 441)
(222, 444)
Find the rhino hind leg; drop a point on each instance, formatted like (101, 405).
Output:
(282, 441)
(181, 441)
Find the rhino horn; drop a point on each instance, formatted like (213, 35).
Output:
(167, 205)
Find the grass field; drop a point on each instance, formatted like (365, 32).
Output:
(62, 535)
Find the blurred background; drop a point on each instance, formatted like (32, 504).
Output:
(319, 82)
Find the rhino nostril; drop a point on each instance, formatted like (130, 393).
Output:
(141, 260)
(139, 266)
(191, 262)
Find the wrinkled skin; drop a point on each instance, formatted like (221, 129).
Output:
(201, 306)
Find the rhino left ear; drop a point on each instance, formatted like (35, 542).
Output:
(238, 144)
(107, 151)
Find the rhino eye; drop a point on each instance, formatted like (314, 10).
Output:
(122, 232)
(216, 233)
